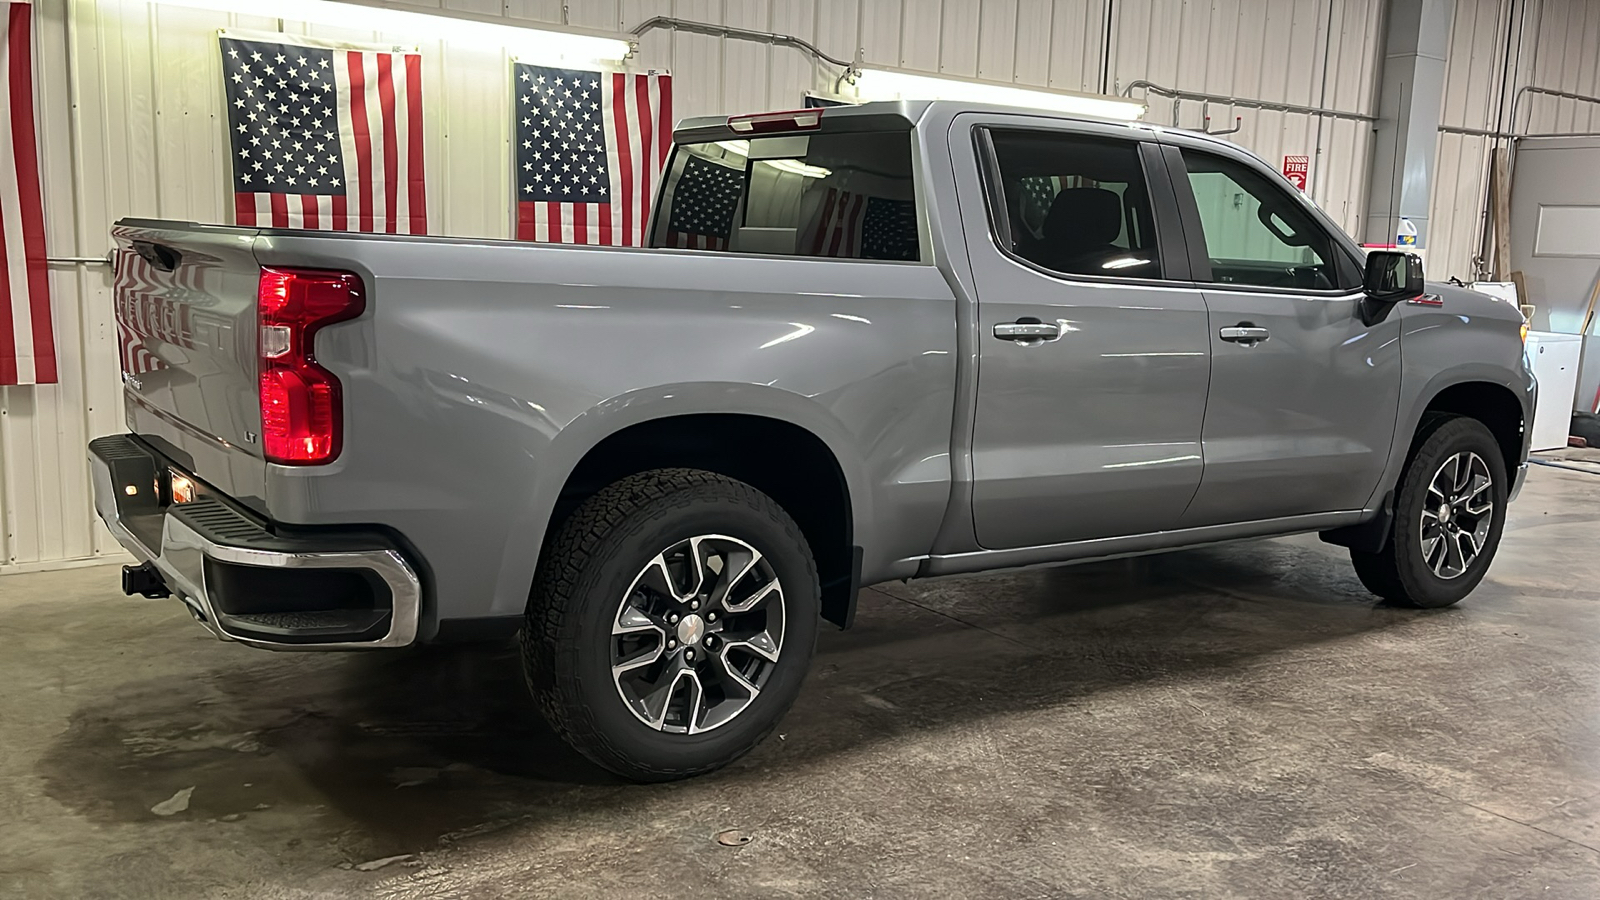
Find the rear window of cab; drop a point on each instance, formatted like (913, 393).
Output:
(843, 196)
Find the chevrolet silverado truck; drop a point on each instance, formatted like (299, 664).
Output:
(891, 341)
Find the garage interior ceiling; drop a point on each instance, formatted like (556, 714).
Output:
(130, 124)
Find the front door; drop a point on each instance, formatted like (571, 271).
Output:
(1303, 394)
(1092, 345)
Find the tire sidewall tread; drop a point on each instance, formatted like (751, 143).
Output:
(584, 573)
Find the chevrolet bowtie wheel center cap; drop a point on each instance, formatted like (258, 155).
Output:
(691, 629)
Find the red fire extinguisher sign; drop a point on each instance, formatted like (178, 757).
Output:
(1296, 168)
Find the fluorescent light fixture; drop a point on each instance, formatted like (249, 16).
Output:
(796, 167)
(792, 166)
(534, 44)
(886, 84)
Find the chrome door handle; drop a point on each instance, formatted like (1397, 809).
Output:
(1027, 331)
(1244, 334)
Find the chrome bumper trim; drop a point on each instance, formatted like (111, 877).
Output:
(181, 562)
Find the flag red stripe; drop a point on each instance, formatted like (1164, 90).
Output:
(822, 223)
(391, 141)
(664, 133)
(15, 22)
(619, 112)
(604, 211)
(280, 210)
(848, 229)
(414, 170)
(244, 209)
(25, 153)
(8, 338)
(525, 214)
(646, 129)
(363, 136)
(341, 221)
(664, 120)
(553, 233)
(308, 211)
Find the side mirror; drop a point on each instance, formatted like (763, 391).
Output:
(1391, 277)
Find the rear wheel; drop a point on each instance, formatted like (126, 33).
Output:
(1449, 513)
(671, 623)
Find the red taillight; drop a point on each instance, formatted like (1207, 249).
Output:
(301, 421)
(788, 120)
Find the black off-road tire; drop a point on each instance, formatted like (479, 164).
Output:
(587, 568)
(1398, 573)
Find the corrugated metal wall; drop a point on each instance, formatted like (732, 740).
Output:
(132, 125)
(1496, 48)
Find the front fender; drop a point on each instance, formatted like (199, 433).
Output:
(1472, 338)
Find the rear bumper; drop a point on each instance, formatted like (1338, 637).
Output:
(246, 583)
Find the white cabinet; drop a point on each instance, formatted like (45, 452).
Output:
(1554, 358)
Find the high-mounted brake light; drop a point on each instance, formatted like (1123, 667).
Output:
(301, 419)
(787, 120)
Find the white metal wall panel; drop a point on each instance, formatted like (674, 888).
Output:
(1474, 71)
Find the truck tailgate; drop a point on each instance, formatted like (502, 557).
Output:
(187, 332)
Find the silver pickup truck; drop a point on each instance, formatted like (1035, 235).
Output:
(892, 341)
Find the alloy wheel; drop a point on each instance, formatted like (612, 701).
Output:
(1456, 514)
(697, 634)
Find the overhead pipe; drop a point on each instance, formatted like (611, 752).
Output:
(1151, 87)
(1516, 103)
(743, 34)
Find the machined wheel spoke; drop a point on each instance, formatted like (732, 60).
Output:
(633, 620)
(1455, 558)
(760, 596)
(1480, 492)
(636, 661)
(1430, 545)
(732, 671)
(742, 566)
(761, 645)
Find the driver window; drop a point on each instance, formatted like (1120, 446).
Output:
(1255, 232)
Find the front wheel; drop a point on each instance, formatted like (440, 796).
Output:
(671, 623)
(1449, 514)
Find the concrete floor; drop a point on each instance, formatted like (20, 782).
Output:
(1238, 721)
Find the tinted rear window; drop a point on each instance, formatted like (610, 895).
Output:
(846, 196)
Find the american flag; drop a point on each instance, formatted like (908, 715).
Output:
(27, 342)
(325, 137)
(861, 227)
(590, 146)
(704, 199)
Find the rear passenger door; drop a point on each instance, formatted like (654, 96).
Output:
(1303, 394)
(1091, 345)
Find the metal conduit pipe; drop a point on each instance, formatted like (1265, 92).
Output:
(1514, 137)
(1151, 87)
(743, 34)
(1516, 103)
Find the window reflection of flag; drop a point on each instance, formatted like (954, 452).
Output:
(703, 204)
(861, 227)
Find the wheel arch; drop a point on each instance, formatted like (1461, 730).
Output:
(1472, 396)
(804, 472)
